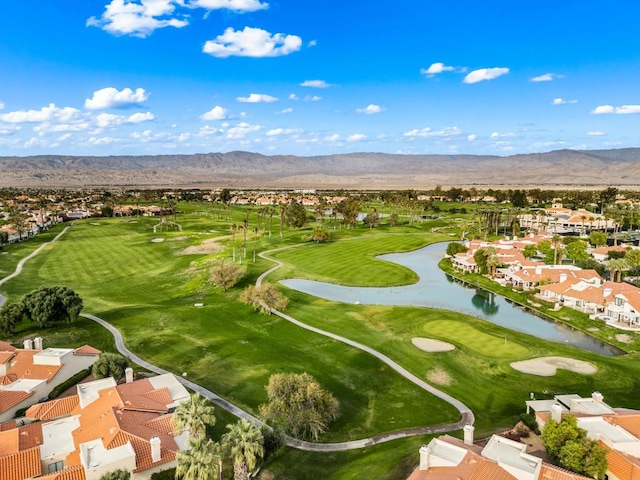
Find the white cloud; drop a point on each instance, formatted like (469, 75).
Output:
(436, 68)
(1, 106)
(472, 137)
(332, 138)
(370, 109)
(428, 132)
(312, 98)
(138, 18)
(293, 96)
(312, 43)
(45, 114)
(485, 74)
(622, 110)
(547, 77)
(111, 98)
(502, 135)
(109, 120)
(9, 129)
(315, 84)
(252, 42)
(596, 134)
(234, 5)
(207, 130)
(241, 130)
(562, 101)
(140, 117)
(216, 113)
(257, 98)
(285, 111)
(282, 131)
(102, 140)
(356, 137)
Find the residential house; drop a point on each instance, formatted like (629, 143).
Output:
(103, 428)
(447, 458)
(29, 374)
(615, 429)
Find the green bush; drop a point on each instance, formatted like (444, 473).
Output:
(77, 378)
(530, 421)
(164, 475)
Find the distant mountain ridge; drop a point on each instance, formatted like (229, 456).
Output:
(571, 168)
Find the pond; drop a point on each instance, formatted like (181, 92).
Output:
(436, 289)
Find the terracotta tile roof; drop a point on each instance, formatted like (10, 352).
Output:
(489, 470)
(87, 350)
(54, 408)
(551, 472)
(7, 379)
(141, 395)
(21, 465)
(22, 367)
(6, 347)
(5, 357)
(606, 250)
(29, 436)
(9, 443)
(11, 424)
(631, 423)
(9, 398)
(623, 466)
(142, 449)
(72, 473)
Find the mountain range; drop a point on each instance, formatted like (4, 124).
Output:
(555, 169)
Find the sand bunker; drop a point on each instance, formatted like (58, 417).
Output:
(430, 345)
(157, 240)
(548, 366)
(624, 338)
(208, 246)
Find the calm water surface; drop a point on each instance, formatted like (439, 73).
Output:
(436, 289)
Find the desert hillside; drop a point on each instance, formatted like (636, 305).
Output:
(560, 168)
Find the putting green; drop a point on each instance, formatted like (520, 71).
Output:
(476, 340)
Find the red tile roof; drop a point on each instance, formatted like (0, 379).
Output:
(9, 398)
(87, 350)
(54, 408)
(6, 347)
(21, 465)
(71, 473)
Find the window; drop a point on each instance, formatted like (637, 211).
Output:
(619, 301)
(56, 467)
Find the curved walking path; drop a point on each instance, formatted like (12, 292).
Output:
(25, 259)
(465, 412)
(467, 415)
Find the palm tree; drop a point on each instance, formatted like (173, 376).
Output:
(556, 241)
(256, 235)
(616, 266)
(243, 442)
(245, 227)
(194, 416)
(203, 461)
(234, 229)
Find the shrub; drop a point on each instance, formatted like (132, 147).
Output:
(70, 382)
(530, 422)
(164, 475)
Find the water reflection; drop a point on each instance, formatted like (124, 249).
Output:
(485, 301)
(437, 290)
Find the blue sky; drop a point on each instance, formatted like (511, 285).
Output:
(312, 77)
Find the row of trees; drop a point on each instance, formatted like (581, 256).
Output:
(45, 307)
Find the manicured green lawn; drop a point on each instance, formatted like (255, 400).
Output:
(148, 290)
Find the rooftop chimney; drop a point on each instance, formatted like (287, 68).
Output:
(538, 270)
(425, 451)
(556, 412)
(606, 292)
(468, 434)
(563, 277)
(28, 344)
(155, 449)
(128, 374)
(597, 397)
(37, 343)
